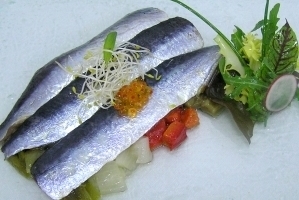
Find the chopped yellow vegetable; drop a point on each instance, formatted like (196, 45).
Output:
(253, 50)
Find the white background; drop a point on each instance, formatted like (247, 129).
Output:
(215, 162)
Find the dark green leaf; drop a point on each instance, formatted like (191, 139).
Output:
(273, 19)
(265, 72)
(255, 90)
(258, 25)
(241, 117)
(256, 108)
(269, 28)
(283, 51)
(237, 38)
(239, 113)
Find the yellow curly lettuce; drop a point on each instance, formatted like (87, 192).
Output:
(243, 97)
(252, 50)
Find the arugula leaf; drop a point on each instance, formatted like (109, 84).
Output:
(283, 51)
(241, 82)
(266, 73)
(269, 28)
(237, 38)
(258, 112)
(258, 25)
(248, 89)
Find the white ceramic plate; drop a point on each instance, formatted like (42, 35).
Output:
(215, 162)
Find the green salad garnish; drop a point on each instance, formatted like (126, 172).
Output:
(251, 65)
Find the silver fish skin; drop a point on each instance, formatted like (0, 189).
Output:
(49, 80)
(55, 119)
(100, 139)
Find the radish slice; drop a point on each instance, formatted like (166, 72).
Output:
(281, 93)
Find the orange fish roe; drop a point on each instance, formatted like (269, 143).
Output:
(130, 99)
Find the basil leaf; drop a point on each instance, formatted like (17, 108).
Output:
(283, 51)
(237, 38)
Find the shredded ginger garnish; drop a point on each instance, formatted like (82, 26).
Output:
(103, 80)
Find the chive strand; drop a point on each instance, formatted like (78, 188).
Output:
(214, 28)
(265, 27)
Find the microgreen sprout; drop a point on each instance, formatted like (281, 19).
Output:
(156, 76)
(103, 79)
(109, 45)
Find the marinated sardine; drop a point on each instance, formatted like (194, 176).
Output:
(49, 80)
(59, 116)
(106, 134)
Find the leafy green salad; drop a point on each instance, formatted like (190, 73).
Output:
(259, 73)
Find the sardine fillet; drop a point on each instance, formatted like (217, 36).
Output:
(100, 139)
(49, 80)
(56, 118)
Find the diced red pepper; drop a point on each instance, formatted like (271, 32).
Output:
(155, 134)
(190, 117)
(174, 135)
(173, 115)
